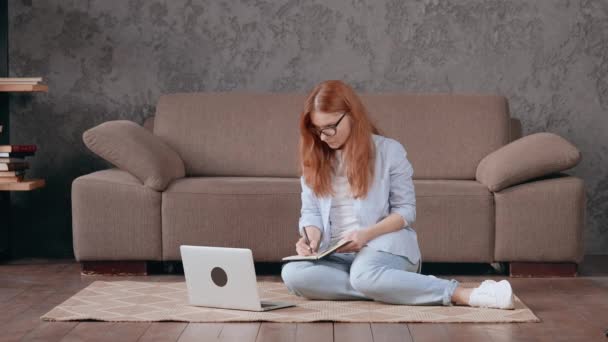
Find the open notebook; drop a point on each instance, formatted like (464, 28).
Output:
(319, 255)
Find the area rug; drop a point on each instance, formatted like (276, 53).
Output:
(134, 301)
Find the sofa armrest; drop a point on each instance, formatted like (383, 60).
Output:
(526, 158)
(134, 149)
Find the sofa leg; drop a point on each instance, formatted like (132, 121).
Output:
(542, 269)
(119, 268)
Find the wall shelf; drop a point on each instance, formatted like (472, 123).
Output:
(25, 185)
(23, 87)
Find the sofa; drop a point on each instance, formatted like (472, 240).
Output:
(221, 169)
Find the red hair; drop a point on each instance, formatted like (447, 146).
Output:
(317, 159)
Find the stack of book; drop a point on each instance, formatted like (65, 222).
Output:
(12, 162)
(21, 80)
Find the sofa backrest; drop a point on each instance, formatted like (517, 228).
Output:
(516, 129)
(256, 134)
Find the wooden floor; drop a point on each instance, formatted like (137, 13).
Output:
(572, 309)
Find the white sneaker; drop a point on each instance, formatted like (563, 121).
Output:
(492, 294)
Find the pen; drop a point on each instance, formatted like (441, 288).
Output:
(307, 240)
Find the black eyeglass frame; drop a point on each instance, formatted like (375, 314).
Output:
(334, 127)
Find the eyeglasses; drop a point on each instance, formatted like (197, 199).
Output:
(329, 130)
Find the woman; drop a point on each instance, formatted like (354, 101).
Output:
(357, 185)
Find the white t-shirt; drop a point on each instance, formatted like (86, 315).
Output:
(341, 215)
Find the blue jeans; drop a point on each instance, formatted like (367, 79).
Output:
(367, 275)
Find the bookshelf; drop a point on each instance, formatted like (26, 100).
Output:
(26, 184)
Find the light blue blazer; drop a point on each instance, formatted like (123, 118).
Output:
(392, 191)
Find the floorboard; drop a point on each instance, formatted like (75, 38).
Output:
(163, 331)
(352, 332)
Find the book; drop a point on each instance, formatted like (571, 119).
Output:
(15, 80)
(12, 173)
(18, 148)
(11, 179)
(318, 255)
(11, 160)
(14, 166)
(15, 154)
(19, 83)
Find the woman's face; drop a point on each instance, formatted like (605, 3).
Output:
(322, 120)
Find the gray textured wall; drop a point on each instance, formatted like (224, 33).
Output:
(106, 60)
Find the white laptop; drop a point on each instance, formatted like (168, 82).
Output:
(223, 277)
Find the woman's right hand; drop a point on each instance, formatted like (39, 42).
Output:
(314, 234)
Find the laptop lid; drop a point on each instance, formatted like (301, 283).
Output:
(220, 277)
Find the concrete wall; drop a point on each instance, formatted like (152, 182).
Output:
(106, 60)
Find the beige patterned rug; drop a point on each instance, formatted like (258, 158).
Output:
(128, 301)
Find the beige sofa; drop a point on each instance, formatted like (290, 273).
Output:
(227, 174)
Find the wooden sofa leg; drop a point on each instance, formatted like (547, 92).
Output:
(542, 269)
(119, 268)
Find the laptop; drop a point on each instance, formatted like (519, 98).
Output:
(223, 277)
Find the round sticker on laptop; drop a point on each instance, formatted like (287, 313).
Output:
(219, 277)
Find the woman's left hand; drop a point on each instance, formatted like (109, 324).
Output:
(359, 239)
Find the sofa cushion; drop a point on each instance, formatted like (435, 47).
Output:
(530, 157)
(260, 213)
(455, 220)
(136, 150)
(115, 217)
(256, 134)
